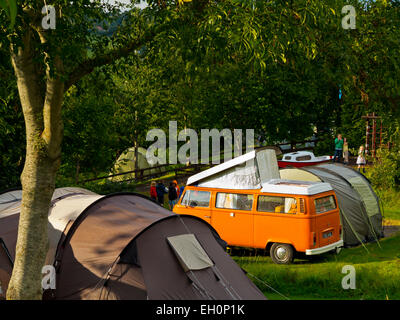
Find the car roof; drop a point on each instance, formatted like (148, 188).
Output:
(295, 187)
(278, 186)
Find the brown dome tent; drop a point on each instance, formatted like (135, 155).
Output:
(125, 246)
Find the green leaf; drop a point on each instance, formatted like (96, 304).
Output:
(3, 4)
(10, 7)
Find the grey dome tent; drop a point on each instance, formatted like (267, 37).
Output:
(125, 246)
(360, 212)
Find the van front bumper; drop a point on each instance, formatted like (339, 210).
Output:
(324, 249)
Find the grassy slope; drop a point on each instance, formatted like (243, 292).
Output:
(391, 203)
(392, 215)
(377, 274)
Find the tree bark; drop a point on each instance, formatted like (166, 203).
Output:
(42, 113)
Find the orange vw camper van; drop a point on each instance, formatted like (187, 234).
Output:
(282, 216)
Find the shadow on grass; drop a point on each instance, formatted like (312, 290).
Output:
(388, 249)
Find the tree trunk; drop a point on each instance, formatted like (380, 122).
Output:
(136, 146)
(42, 113)
(38, 180)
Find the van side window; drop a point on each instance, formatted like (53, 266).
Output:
(324, 204)
(277, 204)
(195, 198)
(235, 201)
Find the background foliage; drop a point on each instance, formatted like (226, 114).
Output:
(274, 66)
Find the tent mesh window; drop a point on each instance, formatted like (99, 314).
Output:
(189, 252)
(129, 255)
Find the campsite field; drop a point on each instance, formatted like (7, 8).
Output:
(377, 273)
(318, 278)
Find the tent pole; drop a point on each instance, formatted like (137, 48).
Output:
(355, 233)
(7, 252)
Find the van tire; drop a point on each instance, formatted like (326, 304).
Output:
(282, 253)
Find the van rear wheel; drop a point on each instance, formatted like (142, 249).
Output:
(282, 253)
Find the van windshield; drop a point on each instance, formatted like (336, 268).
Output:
(195, 198)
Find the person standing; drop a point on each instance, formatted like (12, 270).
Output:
(182, 188)
(172, 195)
(153, 191)
(177, 188)
(338, 148)
(361, 162)
(161, 191)
(345, 151)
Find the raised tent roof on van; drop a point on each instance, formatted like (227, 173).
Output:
(248, 171)
(122, 246)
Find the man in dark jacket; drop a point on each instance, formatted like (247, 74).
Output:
(161, 191)
(172, 195)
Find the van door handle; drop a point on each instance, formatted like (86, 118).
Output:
(232, 214)
(209, 217)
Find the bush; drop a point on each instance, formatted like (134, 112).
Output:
(385, 172)
(325, 145)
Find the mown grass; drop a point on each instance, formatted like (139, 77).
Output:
(377, 273)
(390, 200)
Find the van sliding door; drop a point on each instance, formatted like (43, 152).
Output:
(233, 219)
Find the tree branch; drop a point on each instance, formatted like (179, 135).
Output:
(89, 65)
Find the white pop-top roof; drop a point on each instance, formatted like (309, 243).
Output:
(295, 187)
(222, 167)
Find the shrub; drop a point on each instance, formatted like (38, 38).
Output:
(385, 173)
(386, 170)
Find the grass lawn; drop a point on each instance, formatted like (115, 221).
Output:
(377, 273)
(391, 204)
(392, 217)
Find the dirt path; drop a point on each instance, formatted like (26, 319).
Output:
(388, 231)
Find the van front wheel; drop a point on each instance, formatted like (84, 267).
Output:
(282, 253)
